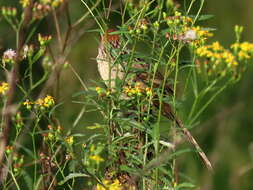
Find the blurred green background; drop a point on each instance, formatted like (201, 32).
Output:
(226, 128)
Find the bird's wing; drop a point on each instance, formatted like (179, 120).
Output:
(145, 77)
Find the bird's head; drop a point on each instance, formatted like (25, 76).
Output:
(112, 39)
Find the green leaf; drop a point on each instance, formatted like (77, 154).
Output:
(205, 17)
(167, 144)
(188, 185)
(96, 126)
(28, 151)
(53, 109)
(179, 152)
(78, 135)
(72, 176)
(156, 132)
(127, 169)
(28, 179)
(38, 55)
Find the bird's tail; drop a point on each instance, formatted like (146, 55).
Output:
(168, 112)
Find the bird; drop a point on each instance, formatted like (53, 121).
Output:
(109, 72)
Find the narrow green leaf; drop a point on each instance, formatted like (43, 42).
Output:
(127, 169)
(72, 176)
(205, 17)
(188, 185)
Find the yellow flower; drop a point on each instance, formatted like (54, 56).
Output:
(235, 46)
(49, 101)
(44, 40)
(246, 46)
(243, 55)
(96, 158)
(228, 56)
(129, 90)
(201, 33)
(24, 3)
(98, 89)
(4, 87)
(177, 13)
(148, 91)
(56, 3)
(234, 63)
(70, 140)
(39, 102)
(138, 88)
(100, 187)
(115, 185)
(216, 46)
(244, 50)
(28, 104)
(202, 51)
(209, 54)
(217, 56)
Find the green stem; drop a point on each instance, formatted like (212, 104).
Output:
(209, 102)
(200, 8)
(14, 179)
(34, 150)
(190, 6)
(59, 168)
(90, 10)
(199, 96)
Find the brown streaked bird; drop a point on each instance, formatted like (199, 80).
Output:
(110, 71)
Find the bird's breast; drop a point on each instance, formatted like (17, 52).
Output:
(108, 70)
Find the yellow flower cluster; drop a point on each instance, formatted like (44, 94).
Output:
(4, 87)
(202, 33)
(196, 35)
(110, 185)
(47, 102)
(43, 103)
(53, 134)
(177, 19)
(132, 91)
(44, 40)
(244, 50)
(138, 90)
(28, 104)
(217, 54)
(181, 28)
(225, 60)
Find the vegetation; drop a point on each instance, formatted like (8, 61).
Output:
(173, 72)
